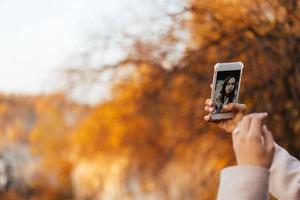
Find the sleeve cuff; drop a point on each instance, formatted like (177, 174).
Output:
(244, 182)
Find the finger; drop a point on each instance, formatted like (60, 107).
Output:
(211, 86)
(235, 107)
(208, 102)
(245, 123)
(268, 138)
(256, 123)
(209, 108)
(207, 117)
(236, 134)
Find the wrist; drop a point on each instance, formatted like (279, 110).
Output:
(265, 165)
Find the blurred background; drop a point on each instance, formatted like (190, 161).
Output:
(104, 99)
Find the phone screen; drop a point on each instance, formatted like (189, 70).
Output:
(226, 89)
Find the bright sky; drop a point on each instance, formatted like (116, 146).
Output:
(38, 36)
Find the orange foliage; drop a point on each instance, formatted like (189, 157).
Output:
(149, 140)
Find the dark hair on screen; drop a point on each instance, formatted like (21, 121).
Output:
(223, 92)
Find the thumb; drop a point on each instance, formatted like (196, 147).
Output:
(235, 107)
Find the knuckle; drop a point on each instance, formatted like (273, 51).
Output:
(241, 139)
(206, 101)
(244, 118)
(254, 137)
(252, 115)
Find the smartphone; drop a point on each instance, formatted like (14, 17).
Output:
(225, 88)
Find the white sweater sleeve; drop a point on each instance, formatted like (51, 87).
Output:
(244, 183)
(285, 175)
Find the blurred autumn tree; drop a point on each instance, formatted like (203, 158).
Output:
(149, 140)
(49, 139)
(35, 131)
(155, 116)
(265, 36)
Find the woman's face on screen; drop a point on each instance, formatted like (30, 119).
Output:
(230, 86)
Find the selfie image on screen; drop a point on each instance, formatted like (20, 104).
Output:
(226, 89)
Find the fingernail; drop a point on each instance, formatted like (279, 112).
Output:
(261, 113)
(264, 127)
(265, 113)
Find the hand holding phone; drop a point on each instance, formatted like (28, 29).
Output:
(228, 125)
